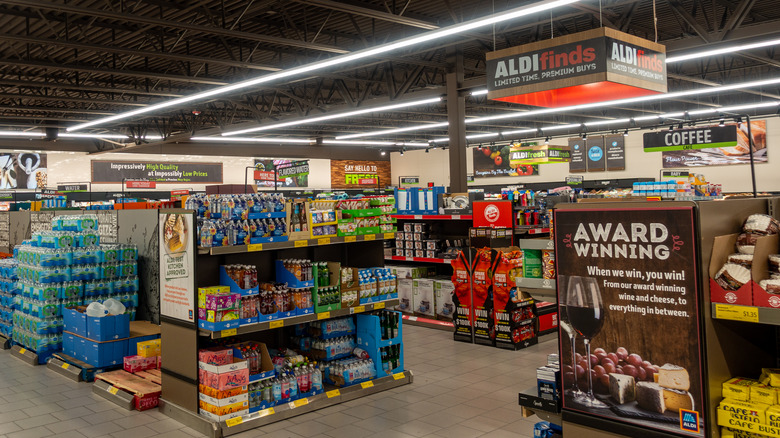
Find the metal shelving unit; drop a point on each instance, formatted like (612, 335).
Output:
(444, 217)
(419, 259)
(290, 244)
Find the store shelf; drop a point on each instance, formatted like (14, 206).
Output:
(535, 283)
(444, 217)
(282, 412)
(427, 322)
(273, 246)
(419, 259)
(760, 315)
(278, 323)
(532, 404)
(546, 244)
(530, 230)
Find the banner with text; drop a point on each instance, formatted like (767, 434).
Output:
(594, 153)
(349, 174)
(177, 260)
(492, 161)
(622, 274)
(736, 151)
(114, 172)
(615, 146)
(290, 173)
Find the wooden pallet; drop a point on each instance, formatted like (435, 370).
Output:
(145, 392)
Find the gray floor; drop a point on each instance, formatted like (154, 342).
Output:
(459, 391)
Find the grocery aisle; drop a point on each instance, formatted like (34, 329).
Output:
(460, 390)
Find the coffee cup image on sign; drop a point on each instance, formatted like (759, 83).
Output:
(175, 233)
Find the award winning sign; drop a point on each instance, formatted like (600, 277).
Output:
(114, 172)
(520, 155)
(622, 274)
(590, 66)
(348, 174)
(694, 138)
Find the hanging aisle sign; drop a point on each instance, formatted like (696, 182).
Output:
(694, 138)
(590, 66)
(519, 155)
(615, 148)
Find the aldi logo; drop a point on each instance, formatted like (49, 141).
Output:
(689, 421)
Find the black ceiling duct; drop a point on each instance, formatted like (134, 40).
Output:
(51, 133)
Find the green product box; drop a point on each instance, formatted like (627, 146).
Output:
(532, 263)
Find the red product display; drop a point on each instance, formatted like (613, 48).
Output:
(494, 214)
(482, 281)
(461, 298)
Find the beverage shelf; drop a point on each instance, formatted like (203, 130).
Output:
(247, 422)
(419, 259)
(532, 404)
(760, 315)
(284, 322)
(535, 283)
(455, 217)
(303, 243)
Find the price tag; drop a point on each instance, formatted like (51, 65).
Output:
(301, 402)
(369, 237)
(736, 313)
(323, 315)
(234, 421)
(65, 366)
(380, 305)
(252, 247)
(399, 376)
(389, 235)
(334, 393)
(229, 332)
(276, 324)
(368, 384)
(323, 241)
(22, 350)
(418, 216)
(410, 259)
(113, 390)
(301, 243)
(349, 239)
(360, 309)
(266, 412)
(456, 216)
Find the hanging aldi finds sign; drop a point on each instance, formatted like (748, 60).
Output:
(590, 66)
(520, 155)
(694, 138)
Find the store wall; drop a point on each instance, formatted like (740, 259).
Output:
(76, 167)
(434, 166)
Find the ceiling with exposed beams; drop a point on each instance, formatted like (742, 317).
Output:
(65, 62)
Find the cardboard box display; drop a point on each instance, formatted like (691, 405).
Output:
(220, 394)
(750, 293)
(482, 304)
(765, 245)
(214, 417)
(737, 388)
(547, 315)
(149, 348)
(134, 364)
(463, 318)
(442, 291)
(211, 290)
(405, 295)
(232, 379)
(97, 354)
(745, 416)
(725, 432)
(224, 410)
(216, 356)
(266, 365)
(773, 416)
(106, 328)
(423, 301)
(237, 365)
(226, 401)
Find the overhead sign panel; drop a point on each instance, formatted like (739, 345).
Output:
(694, 138)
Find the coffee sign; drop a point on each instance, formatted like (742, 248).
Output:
(696, 138)
(590, 66)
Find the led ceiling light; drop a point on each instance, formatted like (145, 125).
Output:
(21, 134)
(721, 51)
(486, 135)
(560, 127)
(481, 92)
(341, 59)
(310, 120)
(255, 140)
(606, 122)
(395, 131)
(34, 134)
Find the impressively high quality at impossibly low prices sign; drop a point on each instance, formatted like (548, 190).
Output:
(114, 172)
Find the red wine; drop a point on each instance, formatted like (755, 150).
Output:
(563, 320)
(587, 321)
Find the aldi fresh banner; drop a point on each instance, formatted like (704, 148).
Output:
(623, 273)
(713, 145)
(492, 161)
(115, 172)
(348, 174)
(520, 155)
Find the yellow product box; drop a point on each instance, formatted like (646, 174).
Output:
(216, 393)
(773, 374)
(725, 432)
(149, 348)
(211, 290)
(742, 415)
(224, 410)
(760, 393)
(738, 388)
(773, 416)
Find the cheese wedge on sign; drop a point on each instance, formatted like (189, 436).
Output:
(674, 377)
(675, 400)
(650, 397)
(622, 388)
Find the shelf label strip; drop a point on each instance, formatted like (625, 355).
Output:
(229, 332)
(234, 421)
(368, 384)
(334, 393)
(399, 376)
(736, 313)
(276, 324)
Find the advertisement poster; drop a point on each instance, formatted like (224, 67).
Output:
(577, 162)
(492, 161)
(348, 174)
(266, 165)
(24, 170)
(177, 278)
(114, 172)
(723, 156)
(616, 152)
(594, 153)
(624, 273)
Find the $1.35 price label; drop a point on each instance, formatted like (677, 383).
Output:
(736, 313)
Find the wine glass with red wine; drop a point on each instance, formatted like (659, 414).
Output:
(563, 319)
(585, 312)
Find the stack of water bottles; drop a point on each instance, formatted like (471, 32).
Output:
(67, 267)
(294, 378)
(8, 289)
(227, 220)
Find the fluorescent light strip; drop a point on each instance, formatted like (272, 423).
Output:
(721, 51)
(521, 131)
(559, 127)
(481, 92)
(335, 116)
(375, 143)
(489, 134)
(339, 60)
(255, 140)
(32, 134)
(606, 122)
(395, 131)
(21, 134)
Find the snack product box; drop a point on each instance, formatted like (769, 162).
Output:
(232, 379)
(738, 388)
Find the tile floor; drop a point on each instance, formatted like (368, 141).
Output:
(459, 391)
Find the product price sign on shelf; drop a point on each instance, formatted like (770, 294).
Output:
(334, 393)
(628, 285)
(736, 313)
